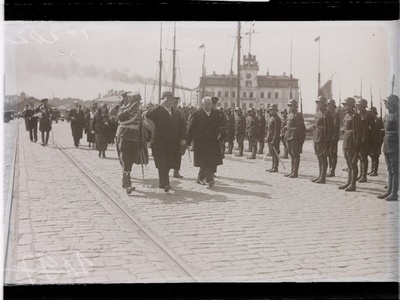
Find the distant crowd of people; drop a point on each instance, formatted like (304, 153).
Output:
(210, 132)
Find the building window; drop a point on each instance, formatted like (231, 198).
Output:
(269, 95)
(244, 95)
(262, 94)
(219, 93)
(244, 106)
(219, 104)
(248, 83)
(250, 105)
(226, 105)
(233, 105)
(276, 95)
(233, 94)
(251, 95)
(226, 94)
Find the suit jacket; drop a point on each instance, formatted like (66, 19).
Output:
(204, 130)
(77, 119)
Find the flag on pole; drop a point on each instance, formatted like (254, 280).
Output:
(316, 39)
(201, 47)
(326, 90)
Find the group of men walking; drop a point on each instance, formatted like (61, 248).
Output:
(210, 132)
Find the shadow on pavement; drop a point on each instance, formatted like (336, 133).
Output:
(243, 181)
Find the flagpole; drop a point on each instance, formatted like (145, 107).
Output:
(319, 64)
(370, 91)
(380, 102)
(238, 68)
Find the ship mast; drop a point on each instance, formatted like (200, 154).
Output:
(160, 64)
(238, 67)
(173, 62)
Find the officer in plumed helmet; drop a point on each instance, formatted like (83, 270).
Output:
(295, 136)
(352, 133)
(323, 131)
(391, 148)
(333, 149)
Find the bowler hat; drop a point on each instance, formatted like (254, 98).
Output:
(166, 94)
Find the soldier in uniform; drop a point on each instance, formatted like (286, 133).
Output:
(183, 147)
(261, 125)
(352, 133)
(376, 141)
(333, 148)
(273, 136)
(240, 129)
(130, 145)
(252, 131)
(284, 114)
(45, 120)
(295, 136)
(267, 116)
(230, 130)
(323, 131)
(391, 148)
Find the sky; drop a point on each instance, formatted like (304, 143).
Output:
(85, 59)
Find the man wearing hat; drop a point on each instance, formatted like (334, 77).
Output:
(203, 129)
(130, 145)
(352, 132)
(240, 129)
(391, 148)
(31, 121)
(273, 136)
(222, 129)
(77, 118)
(167, 137)
(284, 114)
(45, 120)
(252, 131)
(295, 136)
(323, 131)
(366, 125)
(261, 125)
(183, 147)
(333, 149)
(376, 140)
(88, 124)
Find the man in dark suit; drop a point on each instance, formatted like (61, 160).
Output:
(183, 147)
(77, 118)
(31, 121)
(167, 137)
(203, 129)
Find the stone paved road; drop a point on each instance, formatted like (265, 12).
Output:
(252, 226)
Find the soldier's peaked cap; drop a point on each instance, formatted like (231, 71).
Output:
(349, 101)
(392, 99)
(293, 102)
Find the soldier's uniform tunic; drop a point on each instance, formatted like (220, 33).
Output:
(333, 147)
(366, 124)
(261, 139)
(283, 136)
(273, 138)
(230, 131)
(376, 141)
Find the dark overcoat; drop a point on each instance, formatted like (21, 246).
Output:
(168, 132)
(77, 122)
(203, 130)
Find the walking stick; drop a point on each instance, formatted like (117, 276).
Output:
(276, 153)
(265, 156)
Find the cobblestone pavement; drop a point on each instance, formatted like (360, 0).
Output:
(251, 226)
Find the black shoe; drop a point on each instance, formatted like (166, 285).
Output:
(238, 155)
(104, 155)
(35, 141)
(211, 183)
(177, 175)
(251, 157)
(273, 170)
(167, 188)
(129, 189)
(383, 196)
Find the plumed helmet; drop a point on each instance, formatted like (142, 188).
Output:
(350, 101)
(321, 99)
(293, 102)
(392, 100)
(331, 101)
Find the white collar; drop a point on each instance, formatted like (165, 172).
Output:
(208, 113)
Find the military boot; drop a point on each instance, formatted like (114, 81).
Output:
(249, 148)
(332, 168)
(292, 169)
(126, 182)
(230, 148)
(261, 150)
(388, 188)
(395, 188)
(375, 165)
(320, 171)
(241, 146)
(364, 170)
(352, 186)
(344, 186)
(253, 152)
(324, 165)
(296, 168)
(275, 164)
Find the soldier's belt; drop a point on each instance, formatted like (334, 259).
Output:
(348, 130)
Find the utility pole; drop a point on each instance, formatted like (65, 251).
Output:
(393, 85)
(173, 62)
(238, 67)
(160, 65)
